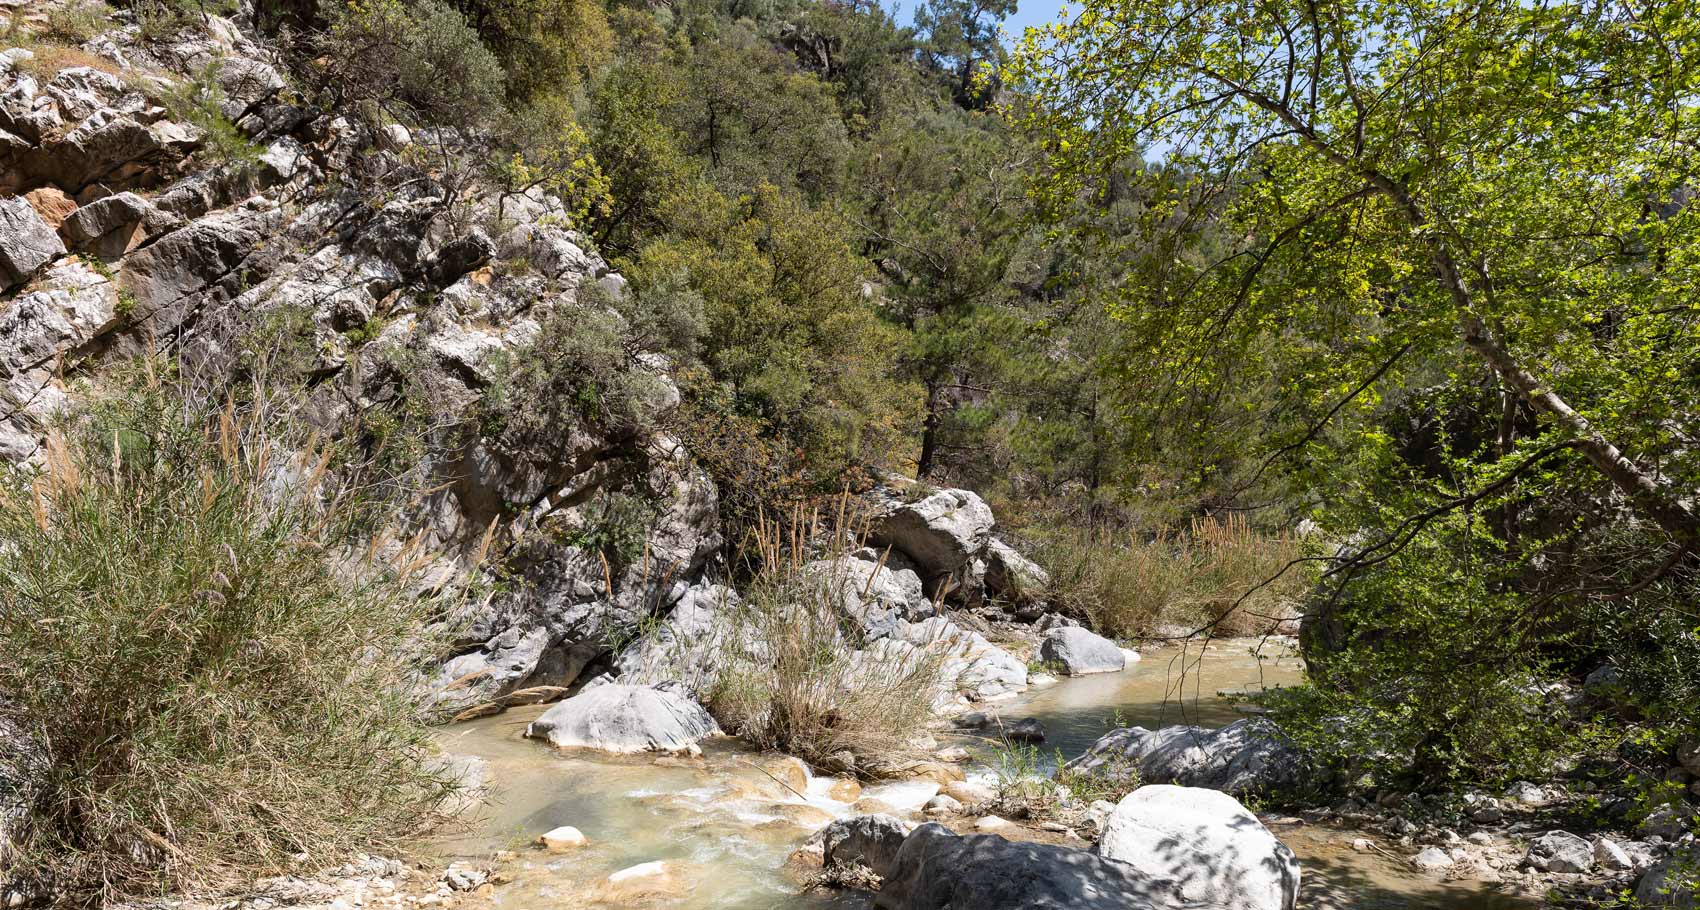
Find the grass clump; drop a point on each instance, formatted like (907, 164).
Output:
(804, 680)
(1129, 585)
(215, 676)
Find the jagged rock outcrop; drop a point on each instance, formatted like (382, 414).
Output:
(1246, 756)
(871, 840)
(621, 718)
(1204, 841)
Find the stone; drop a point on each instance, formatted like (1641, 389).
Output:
(115, 225)
(690, 647)
(1244, 756)
(622, 718)
(954, 754)
(970, 663)
(1432, 859)
(1688, 756)
(1079, 652)
(1524, 793)
(1611, 857)
(562, 839)
(1025, 730)
(969, 793)
(51, 204)
(937, 870)
(991, 823)
(464, 877)
(1012, 577)
(1206, 842)
(1560, 851)
(1673, 883)
(844, 790)
(27, 243)
(789, 771)
(944, 802)
(870, 840)
(1363, 845)
(872, 589)
(939, 533)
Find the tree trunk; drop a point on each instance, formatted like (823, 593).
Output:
(929, 435)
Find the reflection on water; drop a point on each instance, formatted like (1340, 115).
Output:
(723, 830)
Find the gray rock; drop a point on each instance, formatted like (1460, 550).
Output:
(1013, 577)
(871, 840)
(690, 647)
(940, 533)
(113, 226)
(937, 870)
(1610, 856)
(1079, 652)
(1673, 883)
(1432, 859)
(1560, 851)
(876, 593)
(1688, 756)
(1025, 730)
(1243, 757)
(970, 664)
(1216, 851)
(621, 718)
(27, 244)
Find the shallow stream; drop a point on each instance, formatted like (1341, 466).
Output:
(716, 833)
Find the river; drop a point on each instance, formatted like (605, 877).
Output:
(721, 829)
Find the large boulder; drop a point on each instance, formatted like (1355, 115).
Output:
(27, 244)
(115, 225)
(937, 870)
(1012, 577)
(1078, 652)
(622, 718)
(871, 840)
(1245, 756)
(940, 533)
(1673, 883)
(1560, 851)
(969, 662)
(1207, 843)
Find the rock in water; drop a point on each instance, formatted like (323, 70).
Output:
(937, 870)
(872, 840)
(621, 718)
(1560, 851)
(1207, 843)
(1245, 756)
(1079, 652)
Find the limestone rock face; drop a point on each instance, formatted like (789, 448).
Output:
(1242, 757)
(937, 870)
(621, 718)
(1207, 843)
(27, 244)
(1079, 652)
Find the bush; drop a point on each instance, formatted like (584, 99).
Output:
(798, 683)
(419, 61)
(1127, 587)
(217, 677)
(75, 21)
(201, 101)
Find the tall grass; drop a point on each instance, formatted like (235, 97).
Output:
(215, 676)
(802, 677)
(1129, 584)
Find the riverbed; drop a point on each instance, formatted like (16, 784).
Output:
(716, 833)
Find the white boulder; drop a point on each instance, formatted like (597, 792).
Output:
(1205, 841)
(622, 718)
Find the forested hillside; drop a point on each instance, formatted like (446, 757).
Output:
(543, 349)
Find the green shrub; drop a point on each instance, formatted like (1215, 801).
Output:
(581, 369)
(75, 21)
(201, 101)
(419, 61)
(217, 675)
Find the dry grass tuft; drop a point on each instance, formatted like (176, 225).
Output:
(215, 674)
(1129, 585)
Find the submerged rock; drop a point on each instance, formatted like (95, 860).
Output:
(621, 718)
(937, 870)
(1079, 652)
(1216, 851)
(1242, 757)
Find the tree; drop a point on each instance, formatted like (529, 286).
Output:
(1405, 179)
(961, 36)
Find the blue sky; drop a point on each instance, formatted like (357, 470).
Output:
(1031, 12)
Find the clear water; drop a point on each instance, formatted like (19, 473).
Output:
(723, 830)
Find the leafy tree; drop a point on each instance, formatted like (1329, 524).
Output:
(961, 36)
(419, 60)
(544, 45)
